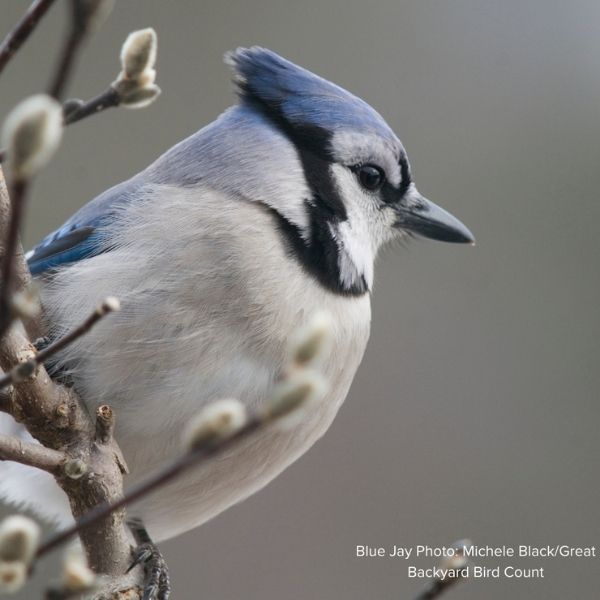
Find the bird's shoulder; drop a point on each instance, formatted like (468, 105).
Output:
(81, 235)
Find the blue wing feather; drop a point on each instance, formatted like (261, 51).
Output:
(81, 236)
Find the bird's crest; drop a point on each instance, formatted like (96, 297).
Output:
(302, 100)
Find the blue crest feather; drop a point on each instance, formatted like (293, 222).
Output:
(300, 97)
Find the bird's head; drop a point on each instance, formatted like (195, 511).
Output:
(329, 167)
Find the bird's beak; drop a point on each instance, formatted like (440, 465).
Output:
(422, 217)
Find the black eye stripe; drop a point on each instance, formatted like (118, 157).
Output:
(405, 176)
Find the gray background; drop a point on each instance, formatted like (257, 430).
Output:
(475, 410)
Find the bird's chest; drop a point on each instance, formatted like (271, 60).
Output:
(207, 318)
(239, 347)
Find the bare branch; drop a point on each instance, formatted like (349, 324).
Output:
(150, 484)
(22, 30)
(75, 110)
(19, 196)
(106, 99)
(32, 133)
(55, 417)
(66, 63)
(85, 15)
(68, 55)
(32, 455)
(217, 434)
(105, 424)
(134, 86)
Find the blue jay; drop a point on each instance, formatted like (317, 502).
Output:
(219, 251)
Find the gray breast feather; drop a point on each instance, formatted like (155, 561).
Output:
(210, 299)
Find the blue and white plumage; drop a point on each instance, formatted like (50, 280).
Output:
(218, 251)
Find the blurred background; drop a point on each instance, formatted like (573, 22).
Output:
(474, 413)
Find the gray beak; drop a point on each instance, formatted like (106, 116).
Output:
(426, 219)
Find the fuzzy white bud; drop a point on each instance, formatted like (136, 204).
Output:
(295, 397)
(77, 576)
(75, 468)
(110, 304)
(134, 96)
(138, 53)
(31, 134)
(312, 343)
(13, 575)
(459, 560)
(26, 303)
(216, 422)
(19, 538)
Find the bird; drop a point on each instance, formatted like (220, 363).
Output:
(219, 251)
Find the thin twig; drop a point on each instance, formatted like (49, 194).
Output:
(105, 424)
(188, 460)
(32, 455)
(435, 588)
(109, 98)
(22, 30)
(106, 99)
(18, 198)
(26, 369)
(66, 62)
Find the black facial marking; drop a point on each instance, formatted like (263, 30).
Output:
(392, 195)
(310, 137)
(405, 175)
(319, 256)
(320, 180)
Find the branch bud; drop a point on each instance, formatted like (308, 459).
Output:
(77, 576)
(110, 304)
(294, 397)
(26, 303)
(19, 537)
(459, 560)
(31, 134)
(75, 468)
(311, 343)
(134, 96)
(135, 83)
(138, 53)
(12, 576)
(216, 422)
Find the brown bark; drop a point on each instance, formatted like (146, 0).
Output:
(55, 417)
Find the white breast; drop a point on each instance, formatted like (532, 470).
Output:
(210, 299)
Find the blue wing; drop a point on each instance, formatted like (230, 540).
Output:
(81, 236)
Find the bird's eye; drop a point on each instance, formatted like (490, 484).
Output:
(370, 177)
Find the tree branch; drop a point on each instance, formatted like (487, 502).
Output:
(19, 196)
(55, 417)
(208, 441)
(66, 62)
(107, 99)
(22, 30)
(155, 481)
(32, 455)
(85, 15)
(76, 110)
